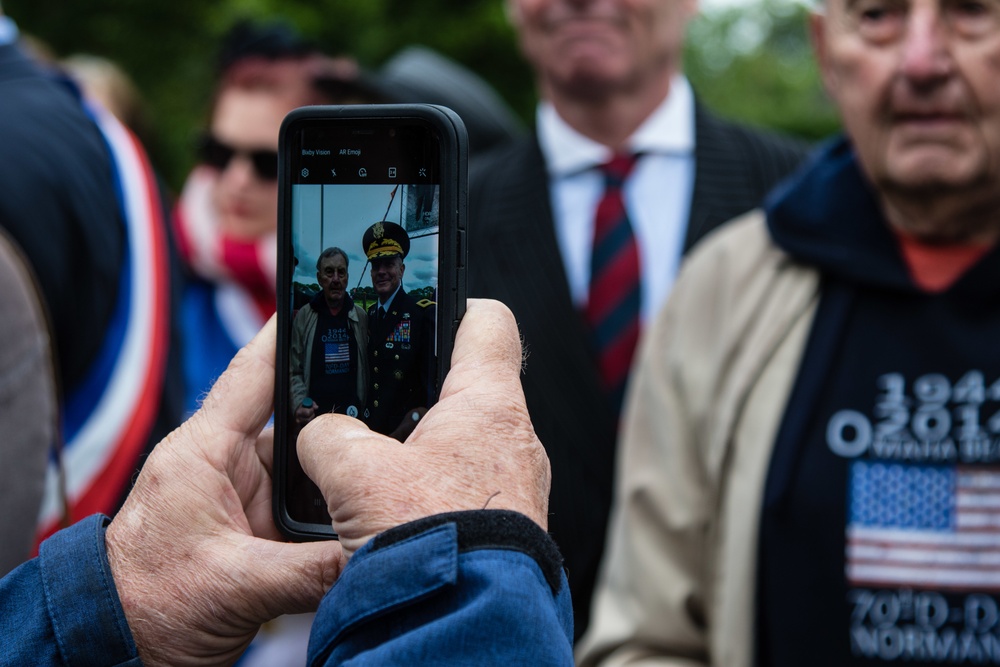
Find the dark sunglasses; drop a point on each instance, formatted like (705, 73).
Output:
(216, 154)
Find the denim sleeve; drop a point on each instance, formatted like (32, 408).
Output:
(468, 588)
(62, 608)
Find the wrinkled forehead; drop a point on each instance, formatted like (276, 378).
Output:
(336, 260)
(981, 7)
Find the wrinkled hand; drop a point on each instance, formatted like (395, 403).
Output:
(475, 449)
(191, 551)
(305, 415)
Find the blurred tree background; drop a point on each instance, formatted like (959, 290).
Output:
(751, 63)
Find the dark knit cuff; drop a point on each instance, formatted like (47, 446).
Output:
(489, 529)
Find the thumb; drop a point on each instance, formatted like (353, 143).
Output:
(289, 578)
(352, 466)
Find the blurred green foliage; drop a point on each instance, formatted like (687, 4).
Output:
(755, 63)
(752, 63)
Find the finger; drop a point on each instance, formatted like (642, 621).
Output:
(358, 472)
(257, 502)
(242, 398)
(487, 348)
(265, 450)
(325, 448)
(291, 578)
(483, 400)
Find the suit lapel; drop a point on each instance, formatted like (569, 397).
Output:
(524, 246)
(520, 263)
(710, 178)
(527, 234)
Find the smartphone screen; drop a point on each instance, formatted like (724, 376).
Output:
(363, 319)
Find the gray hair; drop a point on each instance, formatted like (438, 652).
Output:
(332, 252)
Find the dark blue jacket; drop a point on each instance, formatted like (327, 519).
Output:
(470, 588)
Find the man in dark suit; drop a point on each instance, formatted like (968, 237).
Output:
(609, 77)
(400, 337)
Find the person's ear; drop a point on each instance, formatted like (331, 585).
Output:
(817, 32)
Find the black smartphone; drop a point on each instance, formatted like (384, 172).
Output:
(371, 278)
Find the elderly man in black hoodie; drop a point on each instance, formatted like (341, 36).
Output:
(810, 469)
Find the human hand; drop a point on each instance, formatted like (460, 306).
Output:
(475, 449)
(191, 551)
(304, 415)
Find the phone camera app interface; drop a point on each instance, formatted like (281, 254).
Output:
(365, 214)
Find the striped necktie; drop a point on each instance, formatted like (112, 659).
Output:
(615, 297)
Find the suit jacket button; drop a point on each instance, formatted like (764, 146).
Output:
(375, 404)
(376, 385)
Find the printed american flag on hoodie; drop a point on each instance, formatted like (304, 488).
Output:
(337, 353)
(923, 526)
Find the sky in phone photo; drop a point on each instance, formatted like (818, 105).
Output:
(338, 215)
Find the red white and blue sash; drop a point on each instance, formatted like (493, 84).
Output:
(108, 418)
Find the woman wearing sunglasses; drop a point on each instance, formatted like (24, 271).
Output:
(226, 217)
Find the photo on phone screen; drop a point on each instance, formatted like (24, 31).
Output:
(371, 300)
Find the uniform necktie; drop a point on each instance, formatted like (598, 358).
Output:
(615, 297)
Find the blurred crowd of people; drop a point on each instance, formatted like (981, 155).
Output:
(215, 241)
(761, 371)
(150, 295)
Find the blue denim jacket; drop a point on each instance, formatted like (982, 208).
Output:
(470, 588)
(62, 608)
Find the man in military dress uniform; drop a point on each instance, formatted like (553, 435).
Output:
(401, 337)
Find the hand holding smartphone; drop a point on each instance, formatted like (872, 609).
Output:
(371, 286)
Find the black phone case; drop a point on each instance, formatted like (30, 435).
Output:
(451, 296)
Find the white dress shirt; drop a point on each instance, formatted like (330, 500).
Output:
(657, 193)
(384, 307)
